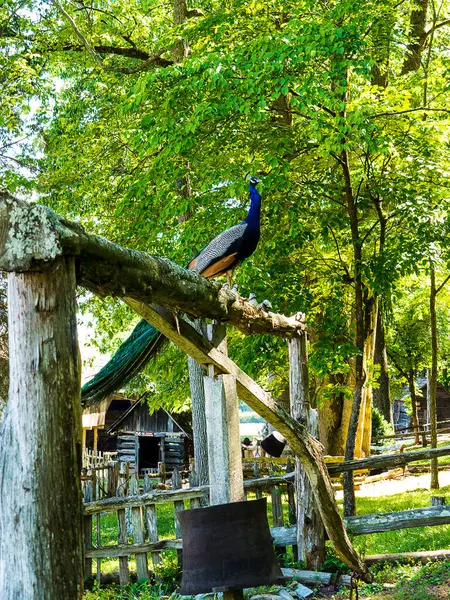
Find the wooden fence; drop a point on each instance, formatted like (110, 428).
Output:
(138, 523)
(137, 509)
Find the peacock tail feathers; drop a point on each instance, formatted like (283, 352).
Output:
(130, 358)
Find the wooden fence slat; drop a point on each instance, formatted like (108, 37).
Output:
(403, 519)
(137, 526)
(193, 482)
(282, 536)
(152, 526)
(292, 510)
(256, 474)
(88, 529)
(114, 504)
(124, 573)
(178, 505)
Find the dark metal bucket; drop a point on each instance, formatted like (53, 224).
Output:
(227, 546)
(274, 444)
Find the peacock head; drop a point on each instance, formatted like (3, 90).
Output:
(253, 181)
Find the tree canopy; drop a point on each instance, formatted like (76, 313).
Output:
(141, 120)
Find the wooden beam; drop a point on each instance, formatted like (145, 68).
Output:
(310, 531)
(407, 557)
(404, 519)
(222, 427)
(304, 446)
(387, 460)
(41, 527)
(107, 269)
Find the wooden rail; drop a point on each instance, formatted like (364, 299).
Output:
(387, 460)
(404, 519)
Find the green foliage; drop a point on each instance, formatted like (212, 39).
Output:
(380, 427)
(285, 90)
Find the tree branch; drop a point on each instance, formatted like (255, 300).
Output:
(151, 60)
(108, 269)
(442, 285)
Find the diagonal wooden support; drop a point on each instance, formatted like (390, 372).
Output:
(305, 447)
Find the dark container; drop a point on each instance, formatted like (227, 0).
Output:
(274, 444)
(227, 546)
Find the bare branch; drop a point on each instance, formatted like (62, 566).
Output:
(151, 60)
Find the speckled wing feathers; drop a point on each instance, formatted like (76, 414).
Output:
(222, 246)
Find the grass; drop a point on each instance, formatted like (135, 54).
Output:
(406, 540)
(399, 582)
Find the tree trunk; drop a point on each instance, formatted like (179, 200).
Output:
(180, 14)
(41, 533)
(360, 375)
(196, 375)
(334, 418)
(381, 395)
(365, 428)
(310, 531)
(434, 484)
(417, 37)
(412, 391)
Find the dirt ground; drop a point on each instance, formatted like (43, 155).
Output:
(397, 486)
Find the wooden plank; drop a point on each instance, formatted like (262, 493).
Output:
(388, 460)
(310, 533)
(41, 540)
(88, 529)
(404, 519)
(178, 506)
(304, 446)
(406, 557)
(138, 537)
(224, 475)
(124, 573)
(292, 510)
(152, 527)
(126, 550)
(157, 496)
(282, 536)
(256, 474)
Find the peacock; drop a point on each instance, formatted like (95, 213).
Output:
(220, 257)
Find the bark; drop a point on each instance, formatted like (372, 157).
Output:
(412, 391)
(360, 375)
(196, 373)
(180, 16)
(387, 460)
(365, 426)
(381, 395)
(417, 37)
(434, 485)
(310, 532)
(41, 533)
(334, 419)
(107, 269)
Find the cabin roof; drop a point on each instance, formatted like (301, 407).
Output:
(140, 403)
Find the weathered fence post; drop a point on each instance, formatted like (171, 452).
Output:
(41, 527)
(222, 424)
(124, 573)
(310, 531)
(226, 478)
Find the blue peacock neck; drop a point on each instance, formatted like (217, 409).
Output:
(255, 206)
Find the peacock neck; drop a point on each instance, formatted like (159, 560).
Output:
(255, 206)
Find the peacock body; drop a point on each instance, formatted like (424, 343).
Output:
(221, 256)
